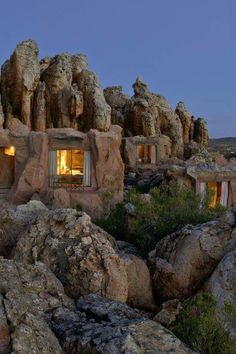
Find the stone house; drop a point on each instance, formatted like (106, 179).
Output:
(63, 167)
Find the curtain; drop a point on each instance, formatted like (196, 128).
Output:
(224, 194)
(52, 166)
(87, 169)
(153, 154)
(202, 188)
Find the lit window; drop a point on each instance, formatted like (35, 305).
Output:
(10, 151)
(70, 162)
(146, 153)
(70, 167)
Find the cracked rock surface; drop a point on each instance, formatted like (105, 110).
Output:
(184, 260)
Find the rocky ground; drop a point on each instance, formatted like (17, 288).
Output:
(66, 286)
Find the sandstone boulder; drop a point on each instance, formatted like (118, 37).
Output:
(201, 132)
(14, 221)
(105, 326)
(96, 113)
(118, 101)
(139, 282)
(28, 297)
(184, 260)
(169, 312)
(222, 284)
(79, 253)
(186, 120)
(19, 79)
(17, 128)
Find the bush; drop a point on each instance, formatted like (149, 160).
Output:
(199, 326)
(169, 208)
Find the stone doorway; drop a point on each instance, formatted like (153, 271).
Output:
(7, 167)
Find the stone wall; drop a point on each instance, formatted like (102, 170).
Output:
(32, 166)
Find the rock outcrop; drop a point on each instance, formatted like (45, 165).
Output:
(222, 284)
(79, 253)
(19, 79)
(184, 260)
(15, 221)
(28, 297)
(58, 92)
(148, 114)
(104, 326)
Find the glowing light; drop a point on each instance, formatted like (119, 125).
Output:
(10, 151)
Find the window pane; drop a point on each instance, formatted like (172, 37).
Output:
(77, 164)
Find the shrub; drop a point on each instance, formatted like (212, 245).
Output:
(199, 326)
(169, 208)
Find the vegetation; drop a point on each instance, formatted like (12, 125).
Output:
(199, 326)
(168, 208)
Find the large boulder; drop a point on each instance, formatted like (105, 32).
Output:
(118, 102)
(187, 122)
(139, 282)
(14, 222)
(184, 260)
(105, 326)
(28, 297)
(19, 79)
(222, 284)
(78, 252)
(96, 113)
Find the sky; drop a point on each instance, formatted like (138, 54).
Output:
(183, 49)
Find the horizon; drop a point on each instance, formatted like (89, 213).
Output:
(173, 47)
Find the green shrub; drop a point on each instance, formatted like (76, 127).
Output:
(115, 223)
(199, 326)
(169, 208)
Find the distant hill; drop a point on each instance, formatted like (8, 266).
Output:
(226, 146)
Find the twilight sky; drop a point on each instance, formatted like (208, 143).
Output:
(184, 49)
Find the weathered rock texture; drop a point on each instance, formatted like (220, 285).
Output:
(14, 222)
(28, 297)
(104, 326)
(148, 114)
(79, 253)
(183, 261)
(19, 79)
(57, 92)
(222, 284)
(61, 92)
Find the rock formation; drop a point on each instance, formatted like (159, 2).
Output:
(57, 92)
(28, 297)
(61, 92)
(148, 114)
(222, 285)
(105, 326)
(183, 261)
(19, 79)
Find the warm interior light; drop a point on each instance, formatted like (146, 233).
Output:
(215, 188)
(70, 162)
(10, 151)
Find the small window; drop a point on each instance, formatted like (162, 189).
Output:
(70, 167)
(146, 154)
